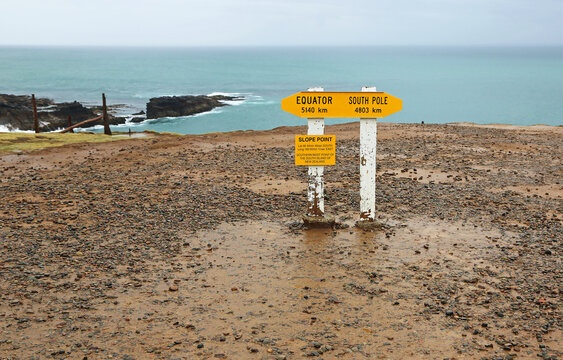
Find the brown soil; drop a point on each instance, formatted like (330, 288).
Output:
(192, 248)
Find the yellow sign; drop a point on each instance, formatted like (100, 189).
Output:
(342, 104)
(315, 150)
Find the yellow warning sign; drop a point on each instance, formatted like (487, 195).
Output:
(342, 104)
(315, 150)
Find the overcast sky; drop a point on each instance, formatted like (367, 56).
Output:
(281, 22)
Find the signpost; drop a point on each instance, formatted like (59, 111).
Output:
(342, 104)
(315, 104)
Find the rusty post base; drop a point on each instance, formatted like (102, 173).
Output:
(325, 221)
(369, 225)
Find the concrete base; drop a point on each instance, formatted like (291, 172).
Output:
(370, 225)
(319, 221)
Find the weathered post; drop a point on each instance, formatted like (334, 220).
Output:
(70, 125)
(107, 130)
(315, 186)
(368, 149)
(35, 120)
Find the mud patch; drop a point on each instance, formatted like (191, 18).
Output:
(260, 289)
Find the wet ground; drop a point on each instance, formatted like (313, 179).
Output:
(188, 248)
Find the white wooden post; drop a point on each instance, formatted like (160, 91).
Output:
(368, 149)
(315, 187)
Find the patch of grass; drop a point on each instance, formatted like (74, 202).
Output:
(28, 142)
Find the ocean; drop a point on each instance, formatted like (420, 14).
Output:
(485, 85)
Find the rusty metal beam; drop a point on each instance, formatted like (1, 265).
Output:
(81, 123)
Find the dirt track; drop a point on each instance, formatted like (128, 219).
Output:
(191, 247)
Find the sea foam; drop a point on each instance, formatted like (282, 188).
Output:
(4, 128)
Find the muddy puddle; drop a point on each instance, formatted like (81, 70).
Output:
(267, 290)
(343, 293)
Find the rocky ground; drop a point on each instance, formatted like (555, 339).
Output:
(191, 248)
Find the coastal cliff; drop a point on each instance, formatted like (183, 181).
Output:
(16, 112)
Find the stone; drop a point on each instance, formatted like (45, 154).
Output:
(370, 225)
(325, 221)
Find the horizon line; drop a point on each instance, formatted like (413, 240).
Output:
(289, 46)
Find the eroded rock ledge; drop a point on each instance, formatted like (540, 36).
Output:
(174, 106)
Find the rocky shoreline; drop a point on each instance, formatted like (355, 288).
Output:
(191, 247)
(16, 112)
(174, 106)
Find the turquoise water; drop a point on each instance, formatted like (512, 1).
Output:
(522, 86)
